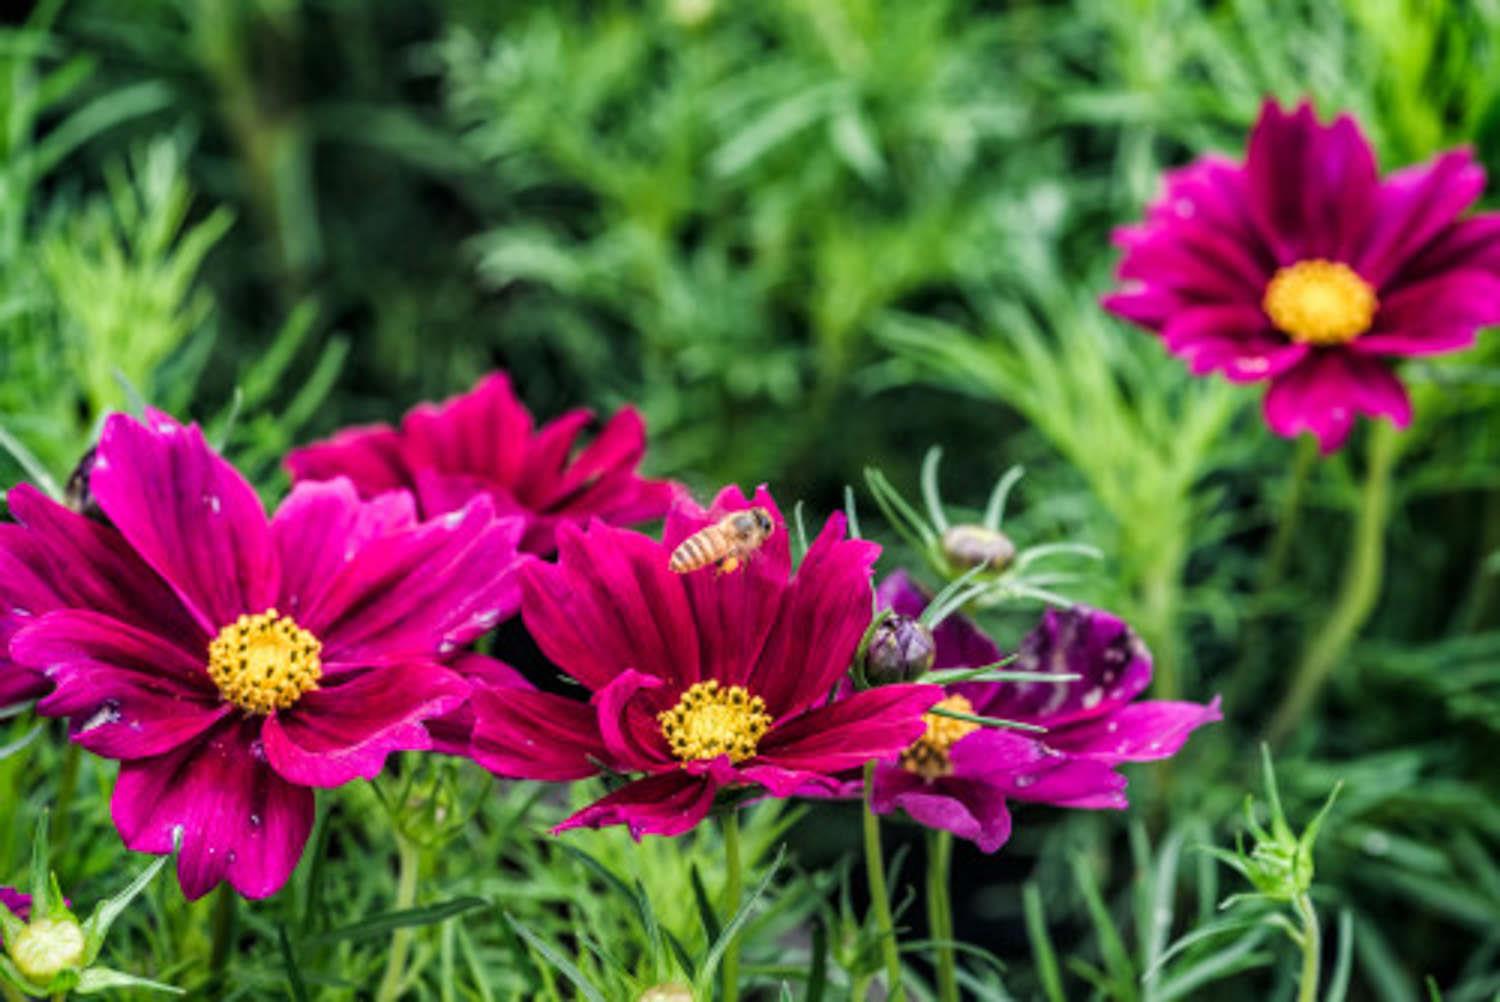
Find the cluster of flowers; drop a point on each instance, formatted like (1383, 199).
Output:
(235, 662)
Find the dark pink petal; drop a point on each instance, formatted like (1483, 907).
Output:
(1193, 260)
(547, 482)
(1471, 244)
(19, 904)
(1112, 664)
(1235, 340)
(19, 684)
(876, 723)
(822, 618)
(418, 593)
(370, 456)
(628, 726)
(1439, 315)
(1140, 732)
(483, 432)
(1326, 390)
(1149, 306)
(526, 734)
(1414, 206)
(346, 728)
(56, 558)
(783, 782)
(1313, 188)
(610, 604)
(1022, 767)
(190, 515)
(970, 809)
(734, 612)
(668, 804)
(239, 821)
(321, 527)
(452, 731)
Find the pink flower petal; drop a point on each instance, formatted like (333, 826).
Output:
(239, 821)
(370, 456)
(668, 804)
(452, 731)
(321, 527)
(1435, 316)
(17, 903)
(190, 515)
(536, 735)
(1326, 390)
(629, 729)
(347, 728)
(1235, 340)
(821, 620)
(1471, 244)
(969, 809)
(876, 723)
(1023, 768)
(1140, 732)
(1413, 207)
(483, 432)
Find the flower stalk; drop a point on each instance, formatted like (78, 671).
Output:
(1363, 575)
(1312, 949)
(734, 890)
(880, 898)
(409, 868)
(940, 911)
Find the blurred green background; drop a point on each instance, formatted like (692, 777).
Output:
(806, 237)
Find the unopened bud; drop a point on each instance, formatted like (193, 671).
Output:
(667, 993)
(78, 494)
(968, 546)
(46, 947)
(901, 650)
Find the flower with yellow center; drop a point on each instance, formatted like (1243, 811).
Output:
(710, 720)
(265, 662)
(928, 755)
(1320, 302)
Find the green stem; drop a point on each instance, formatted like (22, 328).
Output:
(1312, 950)
(734, 890)
(409, 866)
(1359, 591)
(880, 898)
(66, 784)
(223, 938)
(1160, 595)
(940, 911)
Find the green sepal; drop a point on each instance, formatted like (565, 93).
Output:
(106, 911)
(13, 976)
(99, 979)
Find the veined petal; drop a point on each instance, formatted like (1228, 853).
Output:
(1024, 768)
(628, 727)
(484, 432)
(1141, 732)
(970, 809)
(1435, 316)
(876, 723)
(1324, 392)
(1235, 340)
(370, 456)
(451, 732)
(1414, 206)
(347, 729)
(321, 527)
(667, 804)
(526, 734)
(190, 515)
(238, 820)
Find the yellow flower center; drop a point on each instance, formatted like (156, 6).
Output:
(265, 662)
(709, 721)
(1320, 302)
(928, 755)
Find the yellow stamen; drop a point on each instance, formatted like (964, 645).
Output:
(709, 721)
(928, 755)
(265, 662)
(1320, 302)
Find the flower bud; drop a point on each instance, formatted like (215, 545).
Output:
(78, 494)
(901, 650)
(673, 992)
(968, 546)
(46, 947)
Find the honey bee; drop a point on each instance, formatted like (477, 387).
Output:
(727, 544)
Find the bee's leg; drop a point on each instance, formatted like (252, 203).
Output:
(729, 564)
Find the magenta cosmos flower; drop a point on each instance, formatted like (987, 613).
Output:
(483, 443)
(699, 682)
(1304, 267)
(234, 662)
(958, 775)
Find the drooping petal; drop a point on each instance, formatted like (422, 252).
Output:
(418, 593)
(876, 723)
(1112, 665)
(349, 726)
(1140, 732)
(1414, 205)
(609, 604)
(190, 515)
(1235, 340)
(1024, 768)
(970, 809)
(1324, 392)
(667, 804)
(526, 734)
(238, 820)
(370, 456)
(822, 618)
